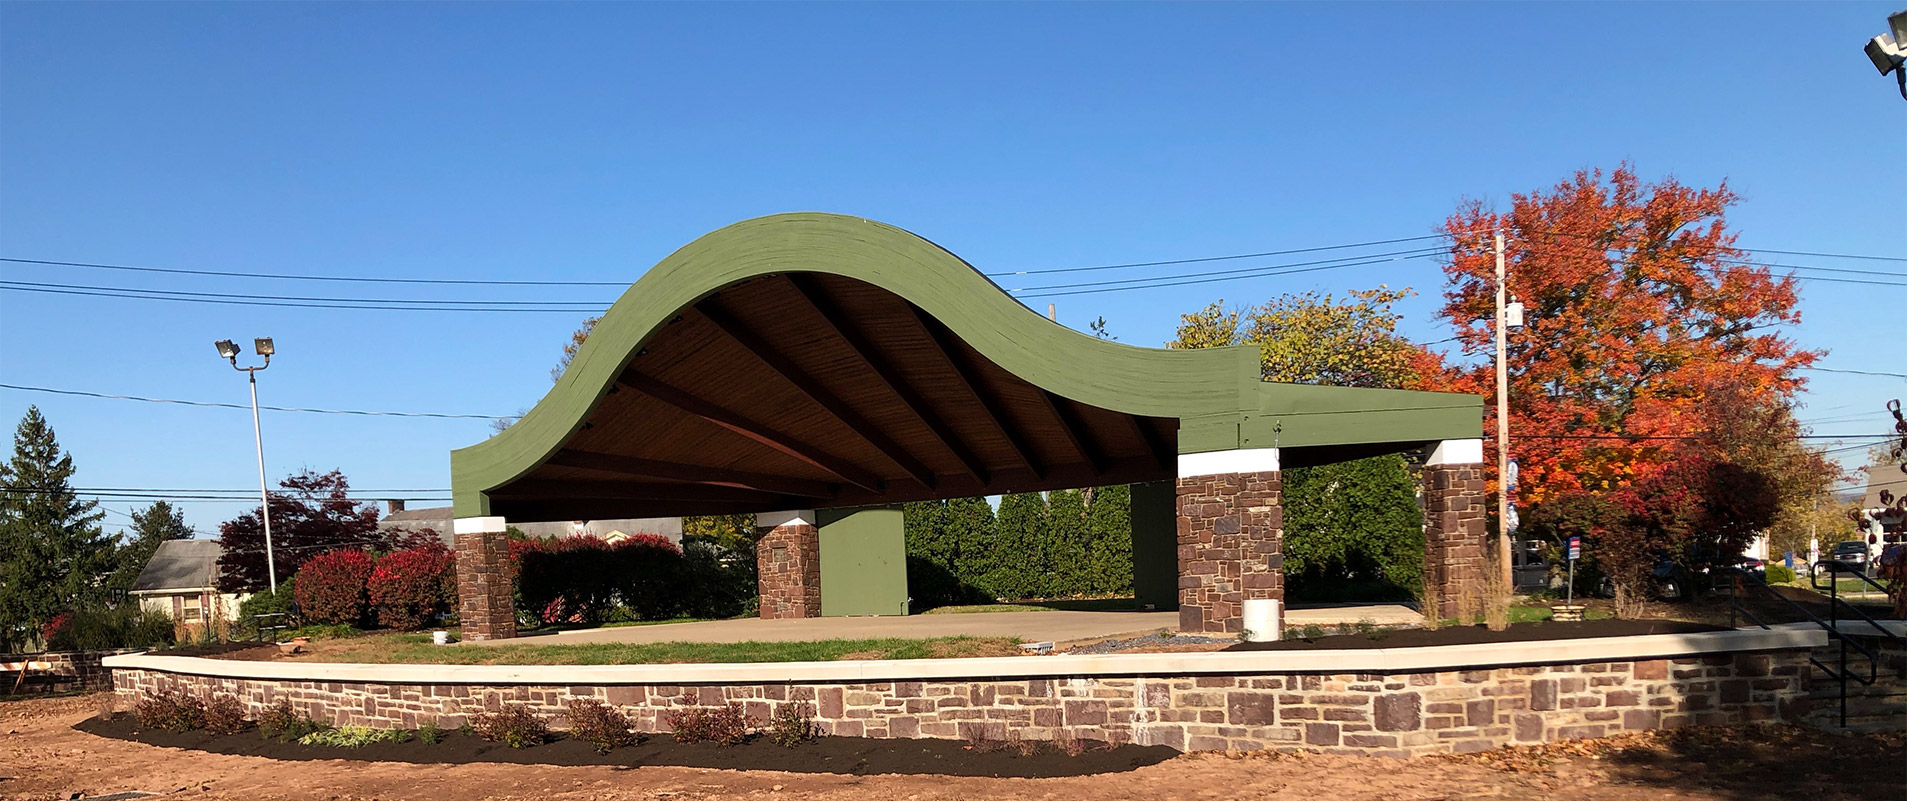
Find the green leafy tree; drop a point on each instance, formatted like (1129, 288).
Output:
(150, 526)
(1352, 528)
(1067, 570)
(735, 533)
(970, 529)
(53, 555)
(1109, 540)
(1314, 338)
(1019, 557)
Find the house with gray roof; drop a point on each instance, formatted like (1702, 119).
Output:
(181, 580)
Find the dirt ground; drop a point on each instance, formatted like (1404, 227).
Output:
(43, 757)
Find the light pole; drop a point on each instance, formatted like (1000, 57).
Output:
(1888, 51)
(230, 352)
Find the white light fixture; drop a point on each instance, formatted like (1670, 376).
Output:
(1513, 315)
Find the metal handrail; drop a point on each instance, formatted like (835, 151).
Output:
(1832, 625)
(1835, 601)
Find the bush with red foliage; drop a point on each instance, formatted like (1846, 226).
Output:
(410, 588)
(578, 579)
(331, 586)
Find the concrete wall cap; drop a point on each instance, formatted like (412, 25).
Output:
(1375, 660)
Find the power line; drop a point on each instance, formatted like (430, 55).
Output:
(1275, 270)
(296, 297)
(1237, 271)
(296, 277)
(134, 294)
(1855, 372)
(1232, 257)
(213, 404)
(1826, 255)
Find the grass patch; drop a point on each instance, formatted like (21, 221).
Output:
(398, 649)
(1064, 605)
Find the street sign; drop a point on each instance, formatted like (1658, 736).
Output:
(1575, 548)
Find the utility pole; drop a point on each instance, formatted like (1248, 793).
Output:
(1503, 548)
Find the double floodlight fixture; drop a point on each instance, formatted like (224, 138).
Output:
(229, 350)
(1888, 51)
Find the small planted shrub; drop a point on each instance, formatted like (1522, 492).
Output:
(224, 714)
(281, 722)
(1780, 574)
(1312, 631)
(792, 725)
(689, 725)
(514, 725)
(170, 711)
(330, 586)
(429, 732)
(728, 726)
(353, 737)
(602, 725)
(409, 589)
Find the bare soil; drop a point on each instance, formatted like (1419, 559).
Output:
(42, 756)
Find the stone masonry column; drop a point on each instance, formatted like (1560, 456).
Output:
(486, 592)
(1455, 497)
(788, 564)
(1230, 536)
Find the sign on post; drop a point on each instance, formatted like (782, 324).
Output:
(1575, 548)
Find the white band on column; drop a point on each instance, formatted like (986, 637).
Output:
(1243, 460)
(1456, 451)
(803, 517)
(478, 525)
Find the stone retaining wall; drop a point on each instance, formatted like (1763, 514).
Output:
(1389, 714)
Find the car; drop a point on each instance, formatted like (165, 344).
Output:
(1852, 553)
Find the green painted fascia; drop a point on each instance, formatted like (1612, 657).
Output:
(1215, 394)
(1142, 381)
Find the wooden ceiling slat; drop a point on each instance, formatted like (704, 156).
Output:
(763, 434)
(1075, 431)
(655, 468)
(813, 389)
(955, 360)
(837, 321)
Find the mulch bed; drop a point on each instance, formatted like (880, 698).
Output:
(1471, 635)
(843, 755)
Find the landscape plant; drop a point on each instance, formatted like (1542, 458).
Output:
(599, 724)
(171, 711)
(514, 725)
(280, 721)
(429, 732)
(311, 513)
(410, 589)
(331, 586)
(224, 714)
(689, 725)
(792, 724)
(353, 736)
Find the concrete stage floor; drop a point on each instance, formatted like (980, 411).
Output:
(1057, 626)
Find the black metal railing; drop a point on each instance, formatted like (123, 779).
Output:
(1841, 672)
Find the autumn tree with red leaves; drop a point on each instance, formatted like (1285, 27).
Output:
(1638, 306)
(311, 512)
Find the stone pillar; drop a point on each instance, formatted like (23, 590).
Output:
(788, 564)
(1455, 498)
(1230, 535)
(486, 602)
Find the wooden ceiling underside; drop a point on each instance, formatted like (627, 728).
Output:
(807, 390)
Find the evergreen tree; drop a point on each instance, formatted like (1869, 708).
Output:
(1019, 554)
(1350, 525)
(970, 530)
(150, 526)
(53, 556)
(1109, 542)
(1068, 572)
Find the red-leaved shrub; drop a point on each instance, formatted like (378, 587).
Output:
(578, 579)
(330, 586)
(409, 588)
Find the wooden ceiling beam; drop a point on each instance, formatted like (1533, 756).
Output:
(1075, 431)
(857, 341)
(619, 490)
(696, 474)
(781, 364)
(844, 469)
(1166, 458)
(948, 349)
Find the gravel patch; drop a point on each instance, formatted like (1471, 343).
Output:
(1154, 642)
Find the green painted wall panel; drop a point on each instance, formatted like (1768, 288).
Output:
(863, 562)
(1155, 544)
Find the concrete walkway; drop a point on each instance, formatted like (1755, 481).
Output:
(1030, 626)
(1057, 626)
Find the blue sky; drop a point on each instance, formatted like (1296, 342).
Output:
(587, 141)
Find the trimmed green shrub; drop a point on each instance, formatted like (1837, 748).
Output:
(1779, 574)
(1352, 528)
(126, 625)
(353, 737)
(792, 725)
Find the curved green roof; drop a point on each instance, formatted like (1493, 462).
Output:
(1215, 394)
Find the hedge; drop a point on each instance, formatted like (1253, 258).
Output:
(330, 587)
(585, 580)
(412, 588)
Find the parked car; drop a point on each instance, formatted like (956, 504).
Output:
(1852, 553)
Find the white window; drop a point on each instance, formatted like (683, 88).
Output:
(191, 613)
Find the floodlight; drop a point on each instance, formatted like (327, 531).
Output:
(1897, 22)
(1884, 51)
(263, 344)
(227, 350)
